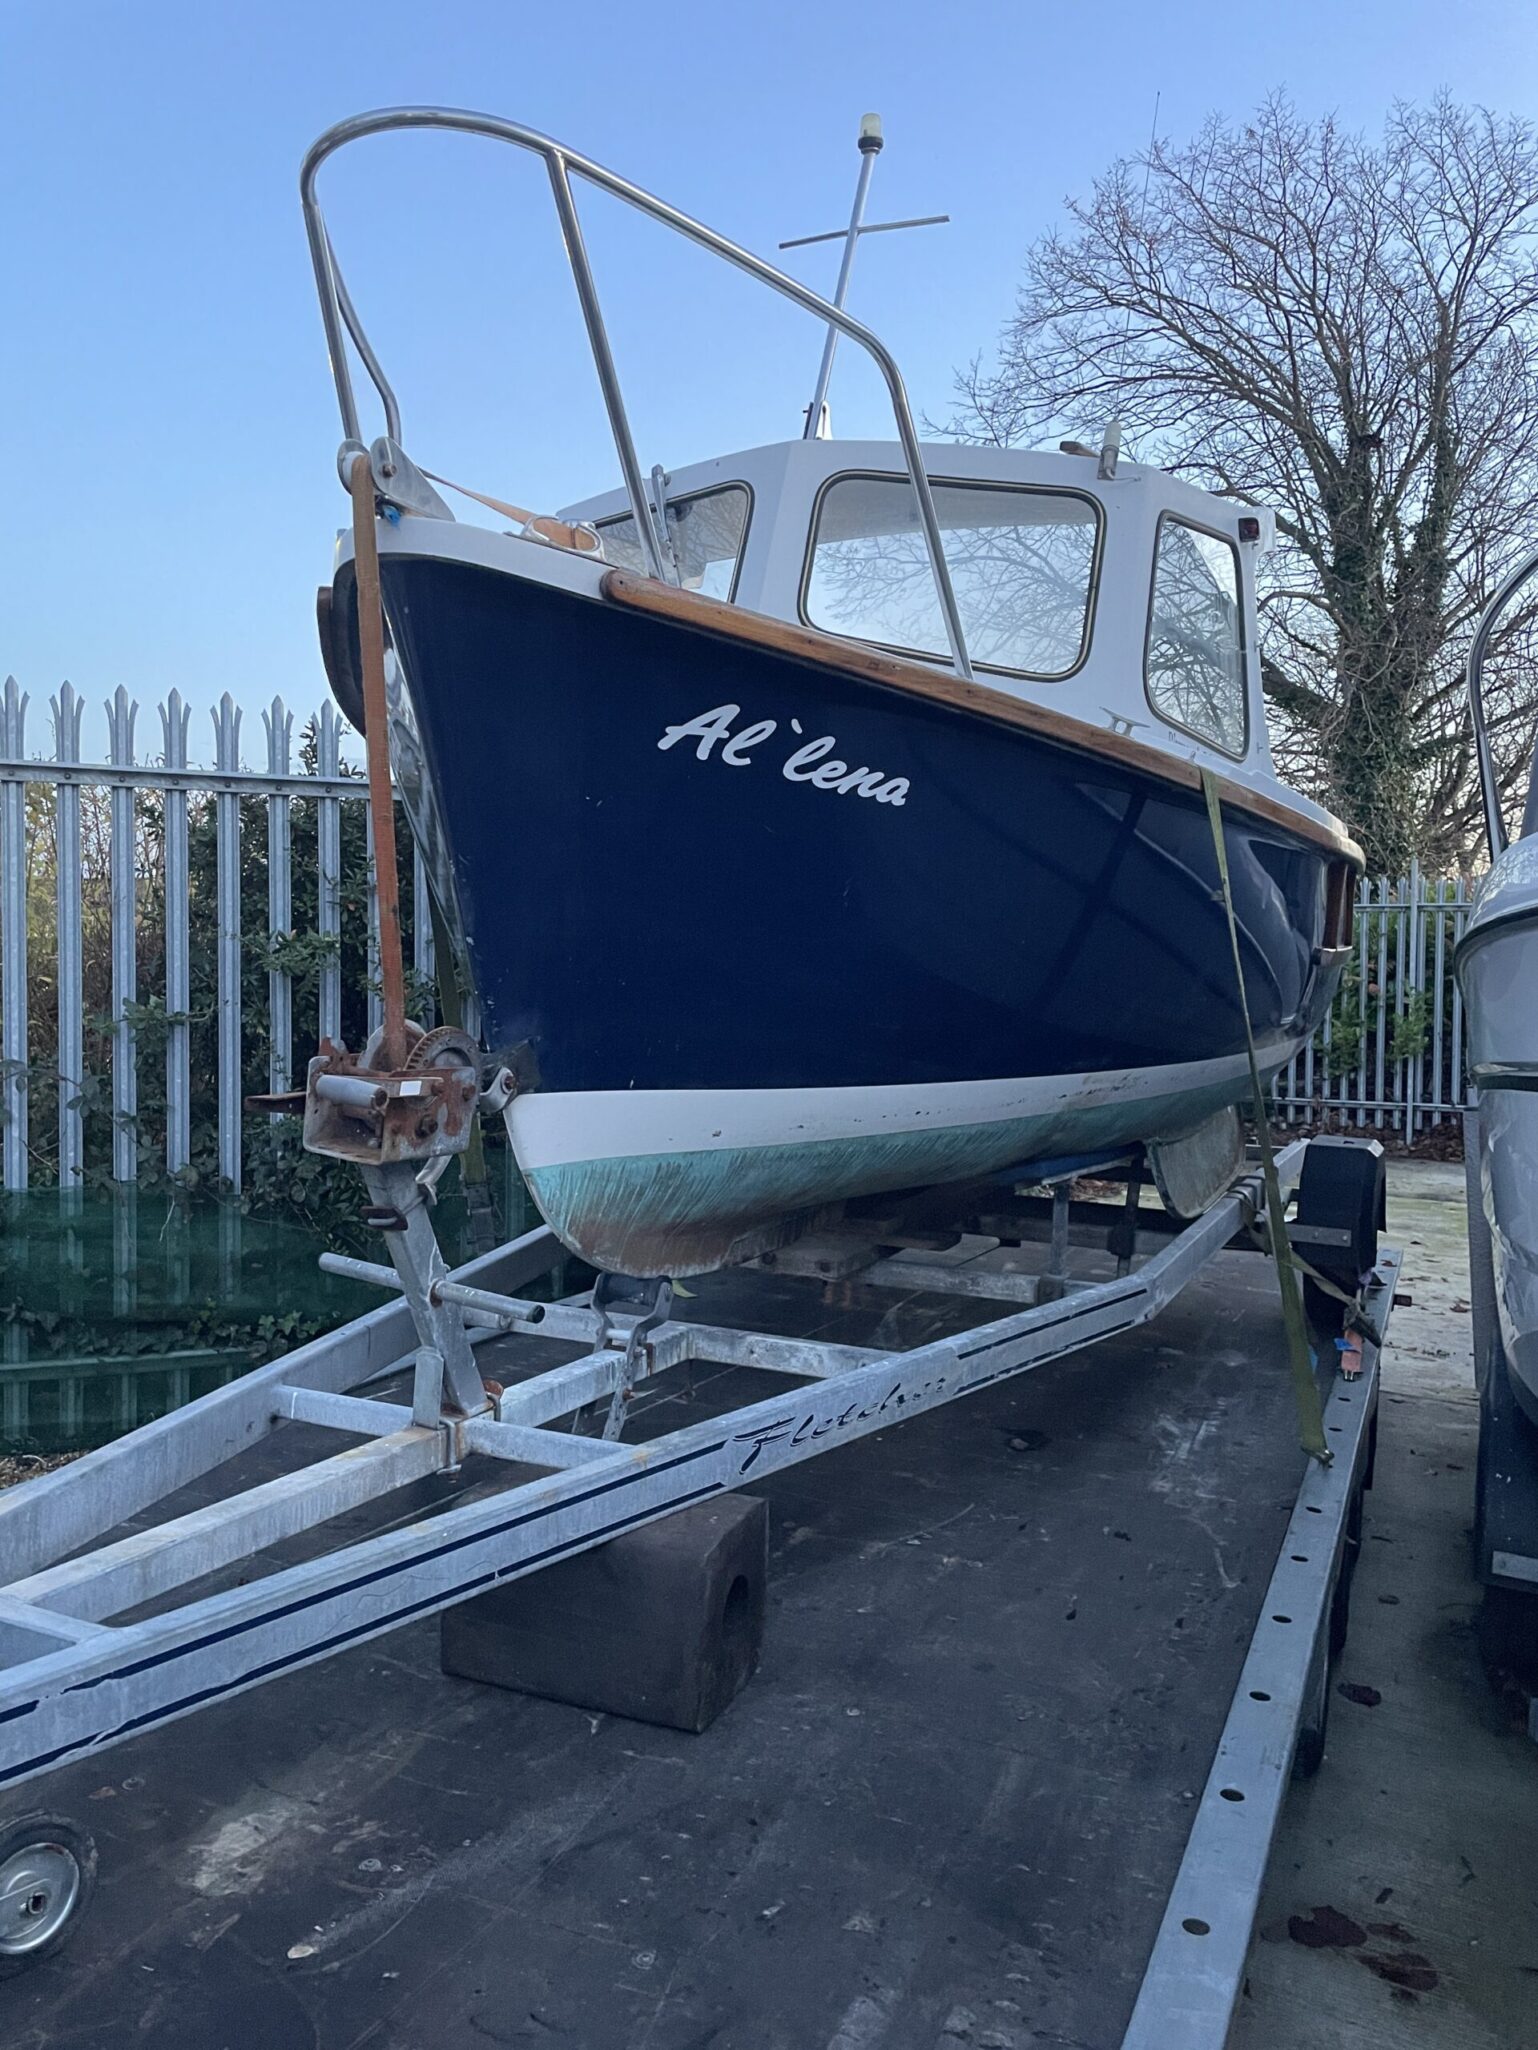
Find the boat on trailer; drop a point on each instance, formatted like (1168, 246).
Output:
(828, 819)
(111, 1623)
(1496, 964)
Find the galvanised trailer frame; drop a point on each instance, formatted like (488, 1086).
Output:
(83, 1667)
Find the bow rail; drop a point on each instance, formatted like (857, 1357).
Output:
(342, 323)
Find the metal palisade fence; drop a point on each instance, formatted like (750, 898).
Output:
(131, 888)
(1391, 1054)
(99, 889)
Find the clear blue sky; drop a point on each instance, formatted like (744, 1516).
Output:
(166, 413)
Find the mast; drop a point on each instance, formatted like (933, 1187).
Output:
(870, 142)
(870, 149)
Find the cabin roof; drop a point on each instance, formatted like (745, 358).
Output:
(774, 464)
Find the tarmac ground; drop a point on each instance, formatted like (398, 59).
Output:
(1401, 1907)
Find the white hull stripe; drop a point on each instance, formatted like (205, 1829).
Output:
(558, 1130)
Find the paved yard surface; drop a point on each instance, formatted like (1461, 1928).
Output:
(1402, 1907)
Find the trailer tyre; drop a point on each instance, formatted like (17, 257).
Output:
(47, 1877)
(1313, 1726)
(1322, 1311)
(1351, 1552)
(1506, 1632)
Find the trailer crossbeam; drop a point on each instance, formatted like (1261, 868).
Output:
(137, 1568)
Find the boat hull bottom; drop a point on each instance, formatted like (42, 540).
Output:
(663, 1182)
(1510, 1193)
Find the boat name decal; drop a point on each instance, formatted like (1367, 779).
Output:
(813, 762)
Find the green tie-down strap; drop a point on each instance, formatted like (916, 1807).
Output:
(1299, 1354)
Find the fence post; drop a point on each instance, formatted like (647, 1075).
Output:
(1440, 1092)
(69, 955)
(227, 837)
(1380, 1035)
(1399, 1069)
(174, 717)
(280, 902)
(423, 959)
(121, 714)
(13, 937)
(1308, 1078)
(328, 840)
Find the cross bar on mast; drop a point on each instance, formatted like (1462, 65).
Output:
(868, 228)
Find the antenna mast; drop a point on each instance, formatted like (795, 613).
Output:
(870, 141)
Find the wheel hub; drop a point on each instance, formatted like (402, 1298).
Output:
(39, 1886)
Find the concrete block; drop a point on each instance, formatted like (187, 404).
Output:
(663, 1624)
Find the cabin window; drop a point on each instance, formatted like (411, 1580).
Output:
(707, 531)
(1022, 562)
(1194, 664)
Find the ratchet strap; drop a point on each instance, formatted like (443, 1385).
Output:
(1299, 1355)
(1358, 1318)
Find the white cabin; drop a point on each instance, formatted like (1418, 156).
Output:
(1128, 602)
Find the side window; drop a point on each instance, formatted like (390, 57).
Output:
(1022, 563)
(1194, 665)
(707, 532)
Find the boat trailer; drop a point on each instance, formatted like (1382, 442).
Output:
(107, 1634)
(105, 1637)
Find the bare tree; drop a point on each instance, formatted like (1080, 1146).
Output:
(1345, 330)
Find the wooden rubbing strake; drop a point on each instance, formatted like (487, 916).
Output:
(807, 644)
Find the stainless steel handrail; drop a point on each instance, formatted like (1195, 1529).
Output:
(341, 320)
(1495, 825)
(365, 349)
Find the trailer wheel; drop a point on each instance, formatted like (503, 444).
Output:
(1314, 1724)
(1506, 1632)
(1341, 1210)
(1351, 1551)
(1324, 1313)
(47, 1877)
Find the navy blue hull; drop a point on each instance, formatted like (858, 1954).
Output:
(993, 904)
